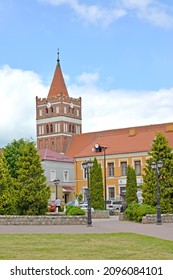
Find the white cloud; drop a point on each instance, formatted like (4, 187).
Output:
(18, 90)
(119, 108)
(102, 109)
(153, 11)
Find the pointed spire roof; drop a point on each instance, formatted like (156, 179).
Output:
(58, 85)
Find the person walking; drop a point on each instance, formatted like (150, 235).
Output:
(58, 205)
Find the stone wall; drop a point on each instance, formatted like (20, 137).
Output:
(152, 219)
(100, 214)
(52, 219)
(43, 220)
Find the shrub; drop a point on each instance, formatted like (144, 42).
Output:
(131, 211)
(74, 210)
(143, 210)
(135, 212)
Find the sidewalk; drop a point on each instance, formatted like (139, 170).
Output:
(111, 225)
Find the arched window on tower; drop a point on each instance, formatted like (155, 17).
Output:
(73, 129)
(47, 128)
(46, 109)
(51, 128)
(69, 128)
(51, 109)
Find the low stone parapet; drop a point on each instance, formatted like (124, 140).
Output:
(43, 220)
(100, 214)
(152, 218)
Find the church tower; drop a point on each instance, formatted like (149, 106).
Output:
(58, 117)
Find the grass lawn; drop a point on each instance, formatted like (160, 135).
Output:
(114, 246)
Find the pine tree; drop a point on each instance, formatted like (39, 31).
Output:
(160, 151)
(96, 186)
(8, 194)
(131, 187)
(31, 182)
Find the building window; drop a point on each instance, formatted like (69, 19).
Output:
(52, 175)
(51, 127)
(65, 110)
(123, 168)
(123, 192)
(40, 112)
(111, 169)
(57, 110)
(39, 130)
(111, 192)
(70, 127)
(51, 109)
(46, 110)
(73, 129)
(138, 167)
(47, 128)
(66, 176)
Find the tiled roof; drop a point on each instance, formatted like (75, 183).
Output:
(49, 155)
(58, 85)
(119, 141)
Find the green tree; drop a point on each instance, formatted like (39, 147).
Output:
(33, 193)
(160, 151)
(131, 187)
(96, 186)
(11, 153)
(8, 194)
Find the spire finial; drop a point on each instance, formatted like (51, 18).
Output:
(58, 60)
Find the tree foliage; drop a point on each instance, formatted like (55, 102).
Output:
(160, 151)
(11, 153)
(96, 186)
(7, 190)
(29, 192)
(131, 187)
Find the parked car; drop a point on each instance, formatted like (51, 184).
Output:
(84, 206)
(51, 206)
(73, 202)
(113, 204)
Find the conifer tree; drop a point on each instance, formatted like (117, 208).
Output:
(33, 193)
(131, 186)
(160, 151)
(96, 186)
(8, 194)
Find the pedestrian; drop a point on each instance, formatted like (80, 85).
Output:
(58, 204)
(123, 207)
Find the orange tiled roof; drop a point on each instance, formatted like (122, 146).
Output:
(125, 140)
(58, 85)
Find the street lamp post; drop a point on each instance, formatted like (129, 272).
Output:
(98, 148)
(56, 182)
(87, 165)
(156, 165)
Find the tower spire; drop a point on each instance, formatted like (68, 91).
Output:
(58, 60)
(58, 85)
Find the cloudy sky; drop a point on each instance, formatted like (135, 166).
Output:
(116, 54)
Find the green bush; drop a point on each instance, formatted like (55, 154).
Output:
(143, 210)
(74, 210)
(135, 212)
(131, 211)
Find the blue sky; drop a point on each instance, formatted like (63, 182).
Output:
(116, 54)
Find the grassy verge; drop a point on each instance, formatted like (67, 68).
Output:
(84, 247)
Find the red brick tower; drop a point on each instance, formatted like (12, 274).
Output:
(58, 116)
